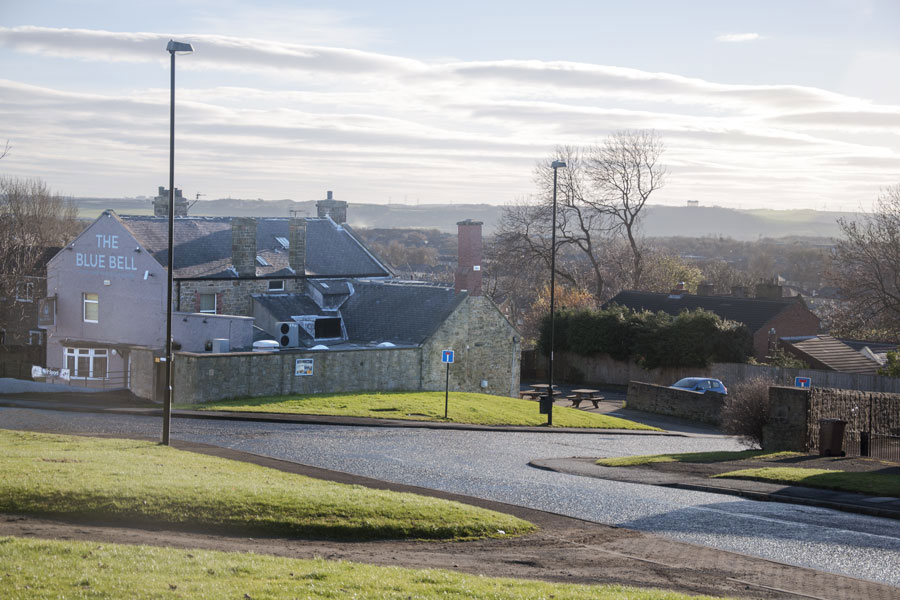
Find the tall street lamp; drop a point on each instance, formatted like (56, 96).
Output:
(172, 48)
(555, 165)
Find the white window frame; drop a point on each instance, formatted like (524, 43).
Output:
(32, 333)
(28, 296)
(91, 354)
(280, 288)
(215, 304)
(85, 301)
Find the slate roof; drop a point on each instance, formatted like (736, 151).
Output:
(397, 312)
(203, 247)
(824, 351)
(752, 312)
(285, 306)
(403, 313)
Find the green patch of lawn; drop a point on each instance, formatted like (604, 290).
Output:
(691, 457)
(127, 481)
(54, 569)
(480, 409)
(877, 484)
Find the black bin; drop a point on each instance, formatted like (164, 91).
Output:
(545, 403)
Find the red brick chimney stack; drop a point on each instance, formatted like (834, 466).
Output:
(468, 269)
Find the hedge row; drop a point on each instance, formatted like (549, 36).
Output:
(692, 339)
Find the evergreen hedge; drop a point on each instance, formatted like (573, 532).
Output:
(691, 339)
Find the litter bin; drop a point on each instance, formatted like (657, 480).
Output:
(831, 437)
(545, 402)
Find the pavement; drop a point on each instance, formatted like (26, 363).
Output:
(125, 403)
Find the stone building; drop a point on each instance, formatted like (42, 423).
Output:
(306, 284)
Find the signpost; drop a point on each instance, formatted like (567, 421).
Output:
(447, 359)
(802, 382)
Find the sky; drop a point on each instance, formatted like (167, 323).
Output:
(785, 104)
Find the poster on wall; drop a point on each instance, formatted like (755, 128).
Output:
(303, 366)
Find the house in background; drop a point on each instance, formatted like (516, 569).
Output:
(768, 316)
(309, 284)
(830, 354)
(22, 341)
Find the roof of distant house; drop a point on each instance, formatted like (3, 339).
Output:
(824, 351)
(752, 312)
(203, 247)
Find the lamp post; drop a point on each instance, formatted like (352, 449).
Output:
(172, 48)
(555, 165)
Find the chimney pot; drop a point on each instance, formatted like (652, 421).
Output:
(336, 209)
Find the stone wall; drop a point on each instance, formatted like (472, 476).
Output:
(682, 404)
(787, 429)
(603, 370)
(232, 295)
(486, 347)
(209, 377)
(142, 374)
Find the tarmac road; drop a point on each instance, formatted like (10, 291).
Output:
(493, 465)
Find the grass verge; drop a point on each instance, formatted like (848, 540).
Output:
(53, 569)
(479, 409)
(877, 484)
(691, 457)
(134, 482)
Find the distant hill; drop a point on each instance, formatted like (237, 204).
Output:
(660, 221)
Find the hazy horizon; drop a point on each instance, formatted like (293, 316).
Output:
(764, 105)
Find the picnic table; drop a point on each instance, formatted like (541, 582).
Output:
(537, 390)
(580, 395)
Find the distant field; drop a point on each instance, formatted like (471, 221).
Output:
(659, 221)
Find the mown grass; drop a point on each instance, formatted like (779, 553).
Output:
(479, 409)
(877, 484)
(38, 569)
(691, 457)
(134, 482)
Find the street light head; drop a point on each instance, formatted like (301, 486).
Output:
(556, 164)
(179, 47)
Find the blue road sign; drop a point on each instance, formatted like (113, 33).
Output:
(802, 382)
(447, 356)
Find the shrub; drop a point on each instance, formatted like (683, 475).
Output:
(691, 339)
(746, 410)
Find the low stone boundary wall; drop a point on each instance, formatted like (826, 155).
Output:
(208, 377)
(788, 426)
(683, 404)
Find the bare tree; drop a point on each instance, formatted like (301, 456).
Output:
(32, 220)
(624, 171)
(601, 196)
(866, 266)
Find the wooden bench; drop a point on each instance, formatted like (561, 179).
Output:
(579, 396)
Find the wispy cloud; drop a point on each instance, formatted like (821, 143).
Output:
(287, 120)
(739, 37)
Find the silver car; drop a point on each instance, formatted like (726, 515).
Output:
(701, 384)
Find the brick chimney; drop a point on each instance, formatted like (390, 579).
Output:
(706, 289)
(161, 203)
(297, 240)
(336, 209)
(243, 246)
(468, 270)
(740, 291)
(769, 290)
